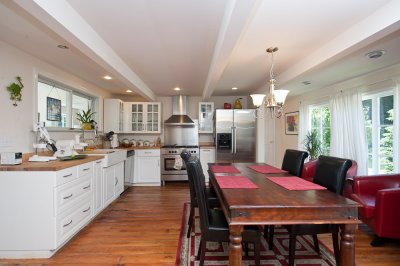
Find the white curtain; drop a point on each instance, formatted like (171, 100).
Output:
(304, 110)
(396, 128)
(348, 138)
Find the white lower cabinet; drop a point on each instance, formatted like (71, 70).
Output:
(97, 185)
(113, 179)
(207, 155)
(42, 210)
(147, 167)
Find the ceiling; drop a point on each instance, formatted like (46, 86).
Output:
(205, 47)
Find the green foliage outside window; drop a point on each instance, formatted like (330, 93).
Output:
(321, 123)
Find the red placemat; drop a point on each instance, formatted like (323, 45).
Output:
(295, 183)
(266, 169)
(235, 182)
(224, 169)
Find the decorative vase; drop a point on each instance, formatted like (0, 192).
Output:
(86, 126)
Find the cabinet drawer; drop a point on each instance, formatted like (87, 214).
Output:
(72, 220)
(148, 153)
(68, 194)
(84, 169)
(66, 175)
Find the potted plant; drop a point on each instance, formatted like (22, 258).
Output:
(86, 119)
(15, 90)
(312, 144)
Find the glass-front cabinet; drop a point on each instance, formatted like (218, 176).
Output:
(206, 117)
(144, 117)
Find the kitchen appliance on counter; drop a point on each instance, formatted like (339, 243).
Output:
(235, 135)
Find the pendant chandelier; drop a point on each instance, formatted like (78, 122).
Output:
(275, 99)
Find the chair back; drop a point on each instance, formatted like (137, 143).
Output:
(185, 155)
(293, 161)
(194, 169)
(330, 172)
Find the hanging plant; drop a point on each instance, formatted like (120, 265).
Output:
(15, 90)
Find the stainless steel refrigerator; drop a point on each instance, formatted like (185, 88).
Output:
(235, 135)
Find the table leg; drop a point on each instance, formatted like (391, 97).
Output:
(347, 251)
(235, 245)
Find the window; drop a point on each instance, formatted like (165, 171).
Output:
(321, 122)
(379, 117)
(58, 104)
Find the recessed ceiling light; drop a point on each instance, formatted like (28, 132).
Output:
(128, 91)
(234, 88)
(306, 82)
(62, 46)
(177, 89)
(107, 77)
(375, 54)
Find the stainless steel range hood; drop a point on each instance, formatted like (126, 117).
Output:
(179, 116)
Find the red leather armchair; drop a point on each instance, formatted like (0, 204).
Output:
(309, 169)
(380, 197)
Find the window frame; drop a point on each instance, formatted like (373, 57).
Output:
(71, 91)
(315, 106)
(375, 96)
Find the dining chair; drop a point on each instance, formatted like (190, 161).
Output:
(212, 199)
(293, 162)
(213, 224)
(330, 172)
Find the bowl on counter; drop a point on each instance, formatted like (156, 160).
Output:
(133, 142)
(126, 143)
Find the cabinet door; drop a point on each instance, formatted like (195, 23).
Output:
(109, 185)
(148, 169)
(113, 115)
(137, 116)
(206, 116)
(119, 179)
(153, 116)
(207, 155)
(97, 187)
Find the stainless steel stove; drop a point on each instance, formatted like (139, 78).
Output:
(169, 155)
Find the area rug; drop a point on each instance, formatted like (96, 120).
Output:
(217, 253)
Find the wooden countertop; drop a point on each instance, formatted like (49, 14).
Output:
(207, 145)
(49, 166)
(140, 148)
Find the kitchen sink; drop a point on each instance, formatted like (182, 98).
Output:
(111, 156)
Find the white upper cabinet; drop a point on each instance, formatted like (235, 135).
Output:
(143, 117)
(206, 117)
(113, 115)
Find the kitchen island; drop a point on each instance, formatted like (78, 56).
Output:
(44, 204)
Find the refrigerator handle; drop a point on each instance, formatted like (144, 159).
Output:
(234, 140)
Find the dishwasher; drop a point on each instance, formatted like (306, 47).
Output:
(129, 164)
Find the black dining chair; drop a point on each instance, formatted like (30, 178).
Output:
(330, 172)
(293, 162)
(212, 199)
(213, 224)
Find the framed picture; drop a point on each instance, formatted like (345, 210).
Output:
(53, 109)
(292, 123)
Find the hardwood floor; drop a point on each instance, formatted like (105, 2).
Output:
(142, 228)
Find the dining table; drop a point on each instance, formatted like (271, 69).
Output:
(251, 196)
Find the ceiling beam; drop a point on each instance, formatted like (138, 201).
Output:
(382, 22)
(61, 18)
(237, 17)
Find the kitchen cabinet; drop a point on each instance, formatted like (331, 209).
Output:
(113, 115)
(42, 210)
(207, 155)
(147, 167)
(143, 117)
(206, 117)
(97, 187)
(113, 180)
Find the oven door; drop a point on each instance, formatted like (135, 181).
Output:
(167, 165)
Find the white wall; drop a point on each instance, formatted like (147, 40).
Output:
(367, 83)
(17, 122)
